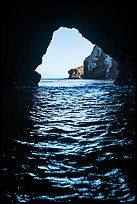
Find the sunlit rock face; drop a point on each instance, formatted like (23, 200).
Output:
(27, 30)
(76, 73)
(98, 65)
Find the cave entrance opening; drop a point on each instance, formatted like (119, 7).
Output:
(67, 50)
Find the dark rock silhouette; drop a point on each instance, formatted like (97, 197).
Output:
(28, 79)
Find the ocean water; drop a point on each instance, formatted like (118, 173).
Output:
(69, 141)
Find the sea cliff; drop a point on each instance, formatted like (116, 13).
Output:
(97, 65)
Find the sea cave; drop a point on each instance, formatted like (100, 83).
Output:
(67, 143)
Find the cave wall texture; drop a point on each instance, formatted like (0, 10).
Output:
(27, 30)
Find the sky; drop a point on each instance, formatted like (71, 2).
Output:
(67, 50)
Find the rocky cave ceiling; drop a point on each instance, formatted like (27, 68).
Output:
(27, 30)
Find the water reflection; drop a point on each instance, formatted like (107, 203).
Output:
(69, 143)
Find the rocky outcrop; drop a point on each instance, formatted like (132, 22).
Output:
(99, 65)
(76, 73)
(28, 79)
(27, 29)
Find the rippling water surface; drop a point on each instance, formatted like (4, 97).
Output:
(67, 140)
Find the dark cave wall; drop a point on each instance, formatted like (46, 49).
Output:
(27, 30)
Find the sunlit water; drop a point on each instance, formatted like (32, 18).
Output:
(68, 140)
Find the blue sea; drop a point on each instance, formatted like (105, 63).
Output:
(69, 140)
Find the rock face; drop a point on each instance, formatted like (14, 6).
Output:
(99, 65)
(28, 79)
(76, 73)
(27, 29)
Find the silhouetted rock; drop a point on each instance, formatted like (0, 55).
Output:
(99, 65)
(28, 79)
(76, 73)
